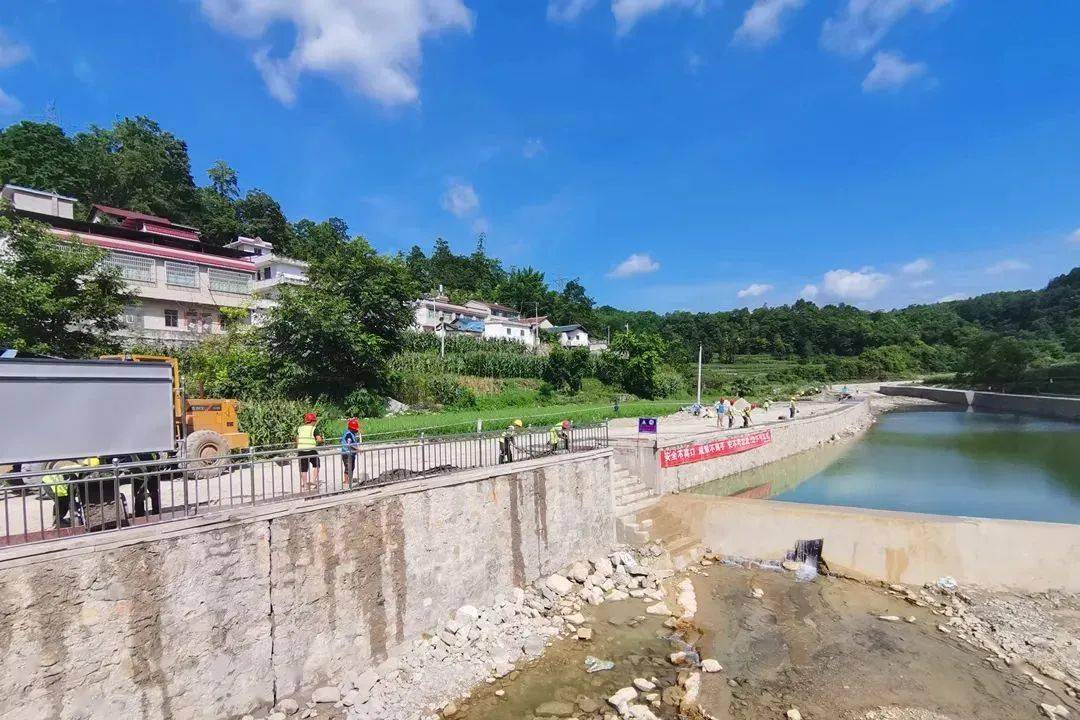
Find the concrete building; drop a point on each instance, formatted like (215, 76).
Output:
(570, 336)
(489, 321)
(182, 284)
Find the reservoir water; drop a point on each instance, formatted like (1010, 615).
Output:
(946, 462)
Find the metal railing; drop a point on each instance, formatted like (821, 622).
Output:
(70, 498)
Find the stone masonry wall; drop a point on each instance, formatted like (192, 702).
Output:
(219, 616)
(642, 458)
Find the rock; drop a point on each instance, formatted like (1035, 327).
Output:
(757, 593)
(559, 585)
(679, 658)
(790, 565)
(534, 646)
(466, 615)
(588, 705)
(640, 712)
(276, 716)
(616, 595)
(909, 619)
(794, 714)
(579, 571)
(575, 618)
(555, 708)
(644, 685)
(888, 618)
(584, 634)
(500, 693)
(288, 706)
(672, 695)
(450, 709)
(711, 666)
(637, 570)
(1054, 712)
(517, 596)
(621, 699)
(326, 694)
(658, 609)
(603, 567)
(691, 690)
(593, 664)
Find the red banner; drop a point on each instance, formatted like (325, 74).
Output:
(687, 454)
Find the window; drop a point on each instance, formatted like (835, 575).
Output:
(226, 281)
(522, 333)
(181, 274)
(132, 267)
(507, 331)
(172, 318)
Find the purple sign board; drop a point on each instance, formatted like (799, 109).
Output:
(646, 425)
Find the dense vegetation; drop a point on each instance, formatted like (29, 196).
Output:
(341, 340)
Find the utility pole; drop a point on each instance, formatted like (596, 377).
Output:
(699, 350)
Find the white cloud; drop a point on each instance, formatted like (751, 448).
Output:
(460, 199)
(1074, 237)
(373, 46)
(863, 23)
(809, 292)
(9, 105)
(533, 147)
(567, 11)
(891, 71)
(917, 284)
(1006, 266)
(628, 12)
(860, 284)
(762, 22)
(754, 290)
(636, 264)
(481, 225)
(11, 52)
(953, 297)
(917, 266)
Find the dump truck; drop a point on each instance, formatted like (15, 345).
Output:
(207, 428)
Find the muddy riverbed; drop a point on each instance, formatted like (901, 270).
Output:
(819, 647)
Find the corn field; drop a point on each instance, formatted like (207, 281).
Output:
(484, 364)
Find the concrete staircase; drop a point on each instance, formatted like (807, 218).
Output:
(631, 496)
(660, 525)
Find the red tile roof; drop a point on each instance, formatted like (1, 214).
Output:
(150, 223)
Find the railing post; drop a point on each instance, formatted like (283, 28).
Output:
(423, 452)
(479, 426)
(251, 463)
(118, 499)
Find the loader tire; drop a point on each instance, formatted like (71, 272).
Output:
(206, 452)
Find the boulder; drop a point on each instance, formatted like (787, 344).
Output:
(575, 618)
(658, 609)
(640, 712)
(587, 705)
(579, 571)
(466, 615)
(644, 685)
(621, 699)
(603, 567)
(711, 666)
(584, 634)
(326, 694)
(288, 706)
(794, 714)
(559, 585)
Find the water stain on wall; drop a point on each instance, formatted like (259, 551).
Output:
(516, 556)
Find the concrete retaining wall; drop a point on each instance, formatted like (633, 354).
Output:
(642, 457)
(892, 546)
(216, 617)
(1064, 408)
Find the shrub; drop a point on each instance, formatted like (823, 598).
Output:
(273, 421)
(670, 384)
(446, 390)
(362, 402)
(566, 368)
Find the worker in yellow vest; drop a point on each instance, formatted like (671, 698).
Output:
(560, 432)
(506, 442)
(307, 442)
(61, 486)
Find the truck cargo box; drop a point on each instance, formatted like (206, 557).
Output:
(54, 409)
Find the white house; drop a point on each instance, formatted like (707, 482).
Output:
(490, 321)
(570, 336)
(272, 272)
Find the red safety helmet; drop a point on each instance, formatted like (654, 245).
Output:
(354, 424)
(565, 424)
(309, 417)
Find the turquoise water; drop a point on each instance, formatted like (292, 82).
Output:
(949, 463)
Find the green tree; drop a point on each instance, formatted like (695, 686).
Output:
(639, 357)
(137, 165)
(59, 297)
(525, 289)
(565, 369)
(38, 155)
(996, 360)
(312, 240)
(224, 180)
(260, 215)
(338, 332)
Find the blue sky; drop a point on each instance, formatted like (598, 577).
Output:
(672, 154)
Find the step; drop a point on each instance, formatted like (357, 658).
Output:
(637, 505)
(627, 498)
